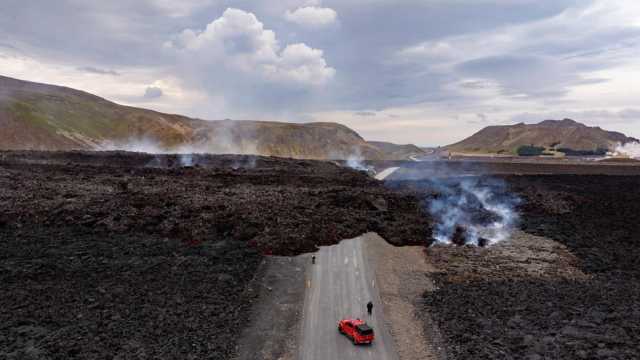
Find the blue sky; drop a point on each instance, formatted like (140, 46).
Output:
(428, 72)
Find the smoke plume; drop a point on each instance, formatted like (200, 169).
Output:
(355, 160)
(631, 149)
(472, 210)
(220, 137)
(467, 205)
(186, 154)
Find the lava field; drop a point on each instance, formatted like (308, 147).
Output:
(114, 255)
(488, 309)
(119, 255)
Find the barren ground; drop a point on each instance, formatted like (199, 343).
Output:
(272, 333)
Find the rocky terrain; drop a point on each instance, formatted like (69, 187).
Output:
(566, 135)
(117, 255)
(125, 255)
(564, 286)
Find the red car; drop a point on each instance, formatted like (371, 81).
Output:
(357, 330)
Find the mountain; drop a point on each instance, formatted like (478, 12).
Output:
(398, 152)
(565, 135)
(45, 117)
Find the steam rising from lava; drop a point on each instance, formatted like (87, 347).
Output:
(355, 160)
(631, 150)
(481, 211)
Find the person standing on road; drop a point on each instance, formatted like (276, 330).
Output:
(313, 259)
(369, 307)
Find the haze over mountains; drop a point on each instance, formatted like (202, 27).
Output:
(564, 134)
(45, 117)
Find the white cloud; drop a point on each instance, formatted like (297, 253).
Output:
(433, 49)
(239, 41)
(312, 16)
(303, 64)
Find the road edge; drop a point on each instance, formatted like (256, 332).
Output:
(406, 279)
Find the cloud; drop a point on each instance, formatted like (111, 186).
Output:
(8, 46)
(236, 59)
(239, 41)
(153, 92)
(312, 16)
(94, 70)
(365, 113)
(477, 84)
(594, 116)
(433, 49)
(538, 59)
(179, 8)
(545, 75)
(424, 62)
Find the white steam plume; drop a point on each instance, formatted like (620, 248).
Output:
(355, 160)
(631, 149)
(483, 210)
(222, 137)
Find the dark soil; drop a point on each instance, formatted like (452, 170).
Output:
(116, 255)
(539, 319)
(67, 295)
(595, 317)
(597, 217)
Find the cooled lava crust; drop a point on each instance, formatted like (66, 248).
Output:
(106, 255)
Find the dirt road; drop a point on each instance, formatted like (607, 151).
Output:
(338, 286)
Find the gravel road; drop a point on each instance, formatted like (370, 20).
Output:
(338, 286)
(386, 173)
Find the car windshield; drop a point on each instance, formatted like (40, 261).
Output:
(364, 330)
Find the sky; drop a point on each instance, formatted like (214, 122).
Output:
(428, 72)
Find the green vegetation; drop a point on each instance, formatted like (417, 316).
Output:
(530, 150)
(28, 113)
(72, 114)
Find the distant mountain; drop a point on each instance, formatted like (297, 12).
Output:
(398, 152)
(563, 135)
(45, 117)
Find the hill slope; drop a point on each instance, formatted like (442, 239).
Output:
(559, 134)
(45, 117)
(397, 152)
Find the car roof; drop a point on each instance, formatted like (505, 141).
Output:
(356, 322)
